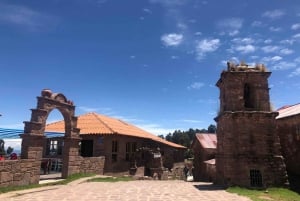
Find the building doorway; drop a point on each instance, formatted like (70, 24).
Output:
(86, 148)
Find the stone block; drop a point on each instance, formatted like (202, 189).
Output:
(6, 177)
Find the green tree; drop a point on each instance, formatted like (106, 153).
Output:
(9, 150)
(169, 137)
(2, 150)
(161, 136)
(211, 128)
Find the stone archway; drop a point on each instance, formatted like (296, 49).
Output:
(33, 137)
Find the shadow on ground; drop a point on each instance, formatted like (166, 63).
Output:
(50, 176)
(208, 187)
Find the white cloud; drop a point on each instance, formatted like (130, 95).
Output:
(196, 85)
(156, 129)
(257, 24)
(254, 57)
(169, 3)
(275, 29)
(132, 57)
(244, 49)
(283, 65)
(268, 41)
(192, 121)
(233, 32)
(25, 17)
(198, 33)
(146, 10)
(205, 46)
(276, 58)
(274, 14)
(172, 39)
(287, 42)
(88, 109)
(230, 26)
(243, 40)
(296, 35)
(271, 59)
(174, 57)
(286, 51)
(296, 72)
(269, 48)
(297, 60)
(182, 26)
(295, 26)
(192, 21)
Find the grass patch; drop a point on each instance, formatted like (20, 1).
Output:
(63, 182)
(110, 179)
(275, 194)
(73, 177)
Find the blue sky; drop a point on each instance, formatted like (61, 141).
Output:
(152, 63)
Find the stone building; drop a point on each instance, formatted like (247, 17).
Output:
(124, 146)
(288, 127)
(248, 149)
(204, 147)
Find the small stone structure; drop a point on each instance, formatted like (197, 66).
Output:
(204, 147)
(27, 169)
(248, 148)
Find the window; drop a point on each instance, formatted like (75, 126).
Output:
(255, 178)
(247, 96)
(130, 150)
(114, 150)
(54, 147)
(298, 132)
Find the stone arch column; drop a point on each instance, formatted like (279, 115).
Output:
(33, 137)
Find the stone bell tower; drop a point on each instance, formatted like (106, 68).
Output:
(248, 149)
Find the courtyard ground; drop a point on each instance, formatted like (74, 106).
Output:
(138, 190)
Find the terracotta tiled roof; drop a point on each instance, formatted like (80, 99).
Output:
(96, 124)
(207, 140)
(288, 110)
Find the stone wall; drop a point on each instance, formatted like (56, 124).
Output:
(19, 172)
(249, 141)
(289, 134)
(92, 165)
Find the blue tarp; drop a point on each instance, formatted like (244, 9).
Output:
(6, 133)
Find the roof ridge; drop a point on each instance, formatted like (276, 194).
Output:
(98, 117)
(287, 106)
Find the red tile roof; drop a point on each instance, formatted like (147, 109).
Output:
(207, 140)
(288, 110)
(96, 124)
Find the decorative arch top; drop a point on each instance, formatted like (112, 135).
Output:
(46, 103)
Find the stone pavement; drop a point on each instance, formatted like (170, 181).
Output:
(139, 190)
